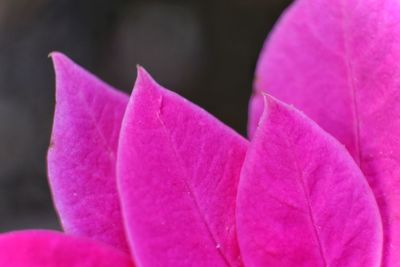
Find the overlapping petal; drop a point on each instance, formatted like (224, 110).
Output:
(52, 249)
(82, 154)
(302, 201)
(338, 61)
(178, 169)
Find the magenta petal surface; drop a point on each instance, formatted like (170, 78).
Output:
(82, 154)
(338, 61)
(53, 249)
(178, 169)
(302, 201)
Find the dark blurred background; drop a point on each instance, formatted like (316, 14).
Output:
(206, 50)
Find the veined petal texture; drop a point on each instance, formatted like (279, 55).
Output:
(178, 169)
(338, 61)
(302, 201)
(82, 154)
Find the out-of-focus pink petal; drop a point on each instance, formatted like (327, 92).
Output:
(338, 61)
(82, 154)
(52, 249)
(302, 201)
(178, 169)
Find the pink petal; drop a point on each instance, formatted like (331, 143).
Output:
(338, 61)
(178, 169)
(81, 158)
(52, 249)
(302, 201)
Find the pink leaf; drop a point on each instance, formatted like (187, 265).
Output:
(302, 201)
(178, 169)
(338, 61)
(52, 249)
(81, 158)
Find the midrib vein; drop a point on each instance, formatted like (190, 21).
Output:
(352, 88)
(191, 191)
(306, 194)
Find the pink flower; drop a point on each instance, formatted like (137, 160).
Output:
(154, 180)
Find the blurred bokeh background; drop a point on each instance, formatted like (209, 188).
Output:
(206, 50)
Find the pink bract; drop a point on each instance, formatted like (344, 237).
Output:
(52, 249)
(82, 154)
(338, 61)
(178, 170)
(302, 201)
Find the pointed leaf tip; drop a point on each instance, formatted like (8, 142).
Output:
(81, 160)
(140, 72)
(264, 101)
(178, 169)
(144, 80)
(255, 112)
(62, 64)
(302, 201)
(58, 57)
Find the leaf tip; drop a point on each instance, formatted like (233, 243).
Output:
(145, 85)
(63, 68)
(144, 79)
(59, 60)
(269, 102)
